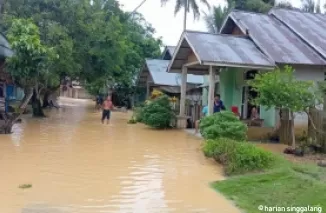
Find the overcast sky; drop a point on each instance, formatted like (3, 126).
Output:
(168, 26)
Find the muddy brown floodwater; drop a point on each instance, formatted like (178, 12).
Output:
(77, 165)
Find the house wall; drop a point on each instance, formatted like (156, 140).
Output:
(236, 31)
(231, 85)
(191, 58)
(205, 91)
(309, 74)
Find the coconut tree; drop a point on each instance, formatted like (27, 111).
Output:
(214, 20)
(187, 5)
(311, 6)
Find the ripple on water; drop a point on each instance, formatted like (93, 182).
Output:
(78, 165)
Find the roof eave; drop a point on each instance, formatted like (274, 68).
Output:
(245, 66)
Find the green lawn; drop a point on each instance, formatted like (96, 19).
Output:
(291, 185)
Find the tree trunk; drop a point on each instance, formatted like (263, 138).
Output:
(36, 104)
(292, 130)
(185, 16)
(46, 99)
(8, 120)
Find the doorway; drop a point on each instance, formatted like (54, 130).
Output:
(248, 94)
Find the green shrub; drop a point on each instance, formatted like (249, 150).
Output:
(248, 157)
(223, 124)
(138, 114)
(158, 113)
(132, 121)
(209, 148)
(238, 156)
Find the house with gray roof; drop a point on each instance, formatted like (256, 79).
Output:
(287, 37)
(154, 75)
(251, 42)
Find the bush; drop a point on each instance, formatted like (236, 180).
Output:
(238, 157)
(138, 114)
(158, 113)
(223, 124)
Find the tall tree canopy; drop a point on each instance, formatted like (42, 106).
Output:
(97, 43)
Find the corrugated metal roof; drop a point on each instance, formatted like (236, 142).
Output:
(311, 27)
(227, 49)
(275, 39)
(160, 76)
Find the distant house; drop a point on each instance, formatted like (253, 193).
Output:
(8, 91)
(248, 43)
(154, 75)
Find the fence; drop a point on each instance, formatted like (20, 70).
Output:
(317, 127)
(193, 111)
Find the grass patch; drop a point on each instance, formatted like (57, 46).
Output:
(291, 185)
(25, 186)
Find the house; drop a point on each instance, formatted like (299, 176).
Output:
(282, 35)
(154, 76)
(207, 54)
(73, 89)
(7, 87)
(251, 42)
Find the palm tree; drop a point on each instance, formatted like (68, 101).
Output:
(187, 5)
(215, 19)
(310, 6)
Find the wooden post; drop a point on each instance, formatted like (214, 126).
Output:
(211, 90)
(147, 89)
(183, 91)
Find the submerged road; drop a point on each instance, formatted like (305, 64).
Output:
(77, 165)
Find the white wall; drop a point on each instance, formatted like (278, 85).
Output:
(311, 74)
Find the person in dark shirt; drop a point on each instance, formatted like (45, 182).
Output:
(218, 104)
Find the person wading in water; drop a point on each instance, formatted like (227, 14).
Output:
(107, 106)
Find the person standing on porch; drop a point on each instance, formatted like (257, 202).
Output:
(204, 113)
(218, 104)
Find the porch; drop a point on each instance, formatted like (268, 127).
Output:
(212, 55)
(154, 76)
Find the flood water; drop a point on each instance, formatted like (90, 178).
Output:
(77, 165)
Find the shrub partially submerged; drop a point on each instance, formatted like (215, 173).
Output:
(158, 113)
(238, 157)
(223, 124)
(138, 113)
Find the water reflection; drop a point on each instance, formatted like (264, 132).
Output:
(78, 165)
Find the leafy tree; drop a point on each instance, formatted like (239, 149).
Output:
(282, 90)
(187, 5)
(216, 17)
(30, 64)
(98, 44)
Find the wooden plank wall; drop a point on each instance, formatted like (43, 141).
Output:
(318, 118)
(2, 104)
